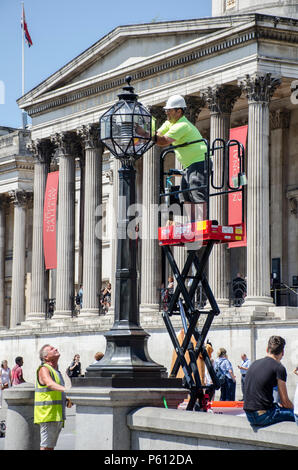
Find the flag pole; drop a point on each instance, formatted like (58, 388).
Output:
(24, 115)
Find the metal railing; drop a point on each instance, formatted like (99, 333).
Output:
(284, 295)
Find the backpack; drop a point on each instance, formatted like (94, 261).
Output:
(219, 374)
(78, 300)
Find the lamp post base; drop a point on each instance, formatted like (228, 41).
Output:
(127, 358)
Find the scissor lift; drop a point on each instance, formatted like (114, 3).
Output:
(207, 233)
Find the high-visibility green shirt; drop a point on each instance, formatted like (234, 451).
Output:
(184, 131)
(48, 404)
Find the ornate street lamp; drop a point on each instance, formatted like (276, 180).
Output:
(126, 361)
(118, 127)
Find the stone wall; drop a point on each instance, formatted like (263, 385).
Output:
(158, 429)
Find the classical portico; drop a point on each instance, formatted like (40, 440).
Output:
(220, 89)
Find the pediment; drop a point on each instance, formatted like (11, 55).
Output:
(132, 51)
(124, 46)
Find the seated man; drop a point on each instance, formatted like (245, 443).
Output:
(178, 130)
(261, 378)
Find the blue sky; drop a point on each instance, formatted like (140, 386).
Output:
(62, 29)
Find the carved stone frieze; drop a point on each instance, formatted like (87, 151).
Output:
(259, 88)
(221, 98)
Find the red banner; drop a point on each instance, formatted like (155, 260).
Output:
(235, 199)
(49, 220)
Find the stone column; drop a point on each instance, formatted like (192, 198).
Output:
(41, 150)
(220, 100)
(66, 149)
(151, 252)
(279, 134)
(92, 239)
(17, 313)
(2, 259)
(259, 90)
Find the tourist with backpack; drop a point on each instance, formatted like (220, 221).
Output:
(224, 371)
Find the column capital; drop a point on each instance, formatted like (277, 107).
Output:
(20, 197)
(220, 99)
(41, 149)
(66, 144)
(158, 113)
(194, 107)
(89, 135)
(259, 88)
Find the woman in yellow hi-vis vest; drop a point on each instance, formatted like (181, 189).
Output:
(49, 398)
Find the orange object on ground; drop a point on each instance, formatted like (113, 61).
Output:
(227, 408)
(227, 404)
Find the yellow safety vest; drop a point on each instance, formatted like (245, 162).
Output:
(48, 405)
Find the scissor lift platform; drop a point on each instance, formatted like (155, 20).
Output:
(203, 231)
(198, 239)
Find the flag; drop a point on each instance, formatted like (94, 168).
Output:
(25, 29)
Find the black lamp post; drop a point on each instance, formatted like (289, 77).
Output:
(126, 361)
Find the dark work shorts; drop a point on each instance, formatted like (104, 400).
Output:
(193, 178)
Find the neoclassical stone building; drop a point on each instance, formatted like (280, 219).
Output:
(238, 67)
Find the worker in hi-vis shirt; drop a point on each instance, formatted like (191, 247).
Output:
(177, 130)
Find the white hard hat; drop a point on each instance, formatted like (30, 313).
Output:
(175, 101)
